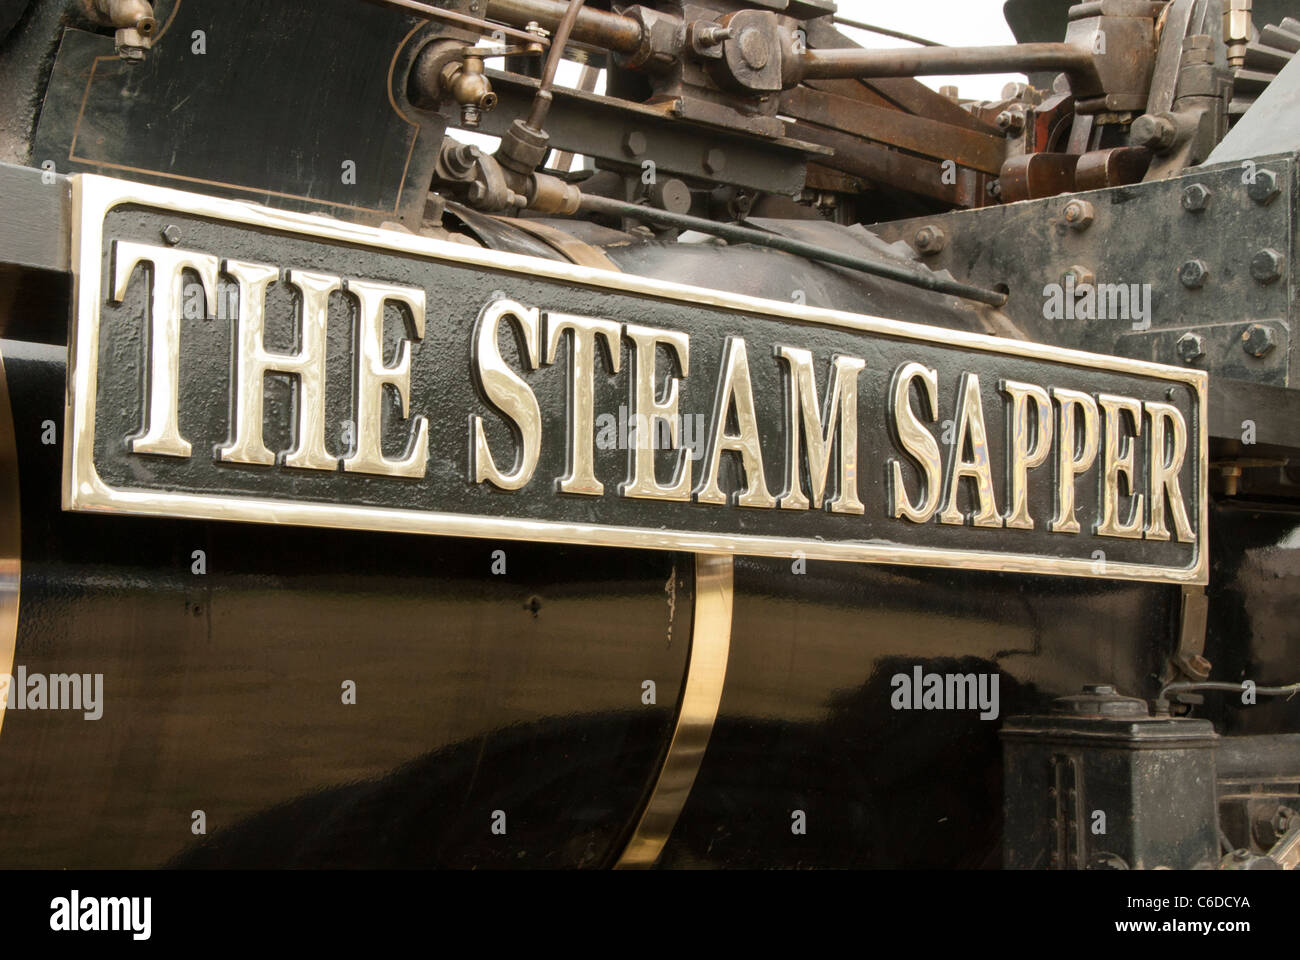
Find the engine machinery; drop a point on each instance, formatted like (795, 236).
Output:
(742, 456)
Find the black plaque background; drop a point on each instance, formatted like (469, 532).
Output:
(442, 389)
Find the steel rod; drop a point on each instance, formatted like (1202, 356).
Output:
(733, 233)
(607, 30)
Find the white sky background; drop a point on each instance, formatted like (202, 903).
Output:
(956, 23)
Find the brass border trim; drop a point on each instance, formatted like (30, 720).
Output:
(11, 540)
(93, 196)
(706, 672)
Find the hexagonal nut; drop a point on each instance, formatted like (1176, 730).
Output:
(1012, 120)
(1153, 131)
(1266, 265)
(1083, 277)
(634, 143)
(1196, 197)
(1194, 273)
(930, 239)
(1191, 347)
(1263, 187)
(1079, 214)
(1257, 339)
(171, 233)
(715, 160)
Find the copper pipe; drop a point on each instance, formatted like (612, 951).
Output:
(542, 100)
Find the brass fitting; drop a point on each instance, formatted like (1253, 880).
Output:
(133, 20)
(470, 88)
(1236, 30)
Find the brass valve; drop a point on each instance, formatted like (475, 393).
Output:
(469, 87)
(134, 22)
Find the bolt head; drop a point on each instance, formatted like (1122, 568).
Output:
(1193, 274)
(1191, 347)
(1264, 188)
(1153, 131)
(172, 234)
(1012, 121)
(1196, 197)
(1257, 339)
(715, 160)
(1079, 214)
(1266, 265)
(930, 239)
(1083, 277)
(634, 143)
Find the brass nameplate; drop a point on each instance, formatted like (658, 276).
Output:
(233, 362)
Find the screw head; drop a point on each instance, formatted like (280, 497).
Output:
(172, 234)
(1264, 188)
(1083, 277)
(634, 143)
(1191, 347)
(994, 189)
(1153, 131)
(930, 239)
(715, 160)
(1194, 273)
(1257, 339)
(1079, 214)
(1196, 197)
(1012, 120)
(1266, 265)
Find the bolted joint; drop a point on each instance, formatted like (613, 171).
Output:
(1080, 276)
(1257, 339)
(1263, 188)
(548, 194)
(1012, 120)
(930, 239)
(1194, 273)
(634, 143)
(1196, 197)
(1079, 214)
(1157, 132)
(1266, 265)
(522, 148)
(1191, 347)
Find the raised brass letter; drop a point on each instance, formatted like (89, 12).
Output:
(253, 362)
(1115, 463)
(842, 409)
(508, 392)
(1023, 456)
(916, 440)
(166, 300)
(372, 375)
(581, 477)
(970, 425)
(1167, 420)
(734, 389)
(1072, 458)
(647, 410)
